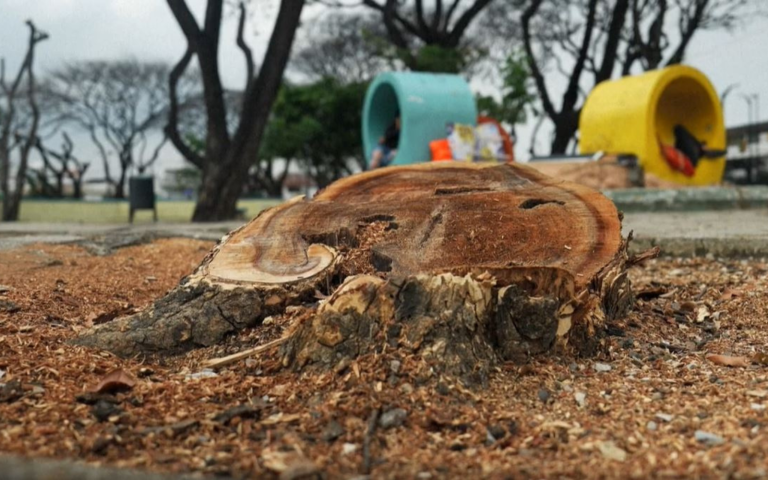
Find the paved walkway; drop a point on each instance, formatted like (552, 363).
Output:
(740, 233)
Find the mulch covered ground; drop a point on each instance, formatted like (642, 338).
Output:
(656, 403)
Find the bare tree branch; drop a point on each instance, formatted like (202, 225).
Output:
(172, 127)
(249, 66)
(12, 200)
(538, 77)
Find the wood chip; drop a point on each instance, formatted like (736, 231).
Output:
(728, 361)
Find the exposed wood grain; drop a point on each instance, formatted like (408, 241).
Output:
(464, 264)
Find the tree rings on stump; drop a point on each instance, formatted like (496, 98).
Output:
(460, 264)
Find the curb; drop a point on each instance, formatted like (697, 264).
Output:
(689, 199)
(725, 248)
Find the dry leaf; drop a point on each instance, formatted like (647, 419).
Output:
(731, 293)
(291, 464)
(115, 381)
(281, 418)
(702, 314)
(728, 361)
(688, 306)
(760, 358)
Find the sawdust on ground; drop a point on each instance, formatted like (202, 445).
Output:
(652, 405)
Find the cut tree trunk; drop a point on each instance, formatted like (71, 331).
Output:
(461, 265)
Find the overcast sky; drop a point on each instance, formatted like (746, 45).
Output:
(109, 29)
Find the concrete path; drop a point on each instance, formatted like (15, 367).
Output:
(724, 233)
(728, 233)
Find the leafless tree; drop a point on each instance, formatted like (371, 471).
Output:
(437, 24)
(61, 164)
(589, 41)
(347, 47)
(18, 133)
(120, 105)
(660, 31)
(227, 156)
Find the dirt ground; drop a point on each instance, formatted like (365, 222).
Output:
(654, 404)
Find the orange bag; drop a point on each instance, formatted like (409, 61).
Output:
(441, 150)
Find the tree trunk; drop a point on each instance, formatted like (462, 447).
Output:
(77, 189)
(12, 206)
(461, 265)
(566, 126)
(120, 184)
(220, 189)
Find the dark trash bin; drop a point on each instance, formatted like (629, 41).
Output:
(142, 196)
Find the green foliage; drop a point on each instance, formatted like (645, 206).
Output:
(433, 58)
(516, 93)
(319, 125)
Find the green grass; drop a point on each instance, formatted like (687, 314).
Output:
(71, 211)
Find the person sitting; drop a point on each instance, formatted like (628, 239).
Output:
(386, 150)
(688, 150)
(692, 148)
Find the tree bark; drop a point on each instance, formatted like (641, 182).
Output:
(566, 125)
(458, 264)
(227, 158)
(219, 192)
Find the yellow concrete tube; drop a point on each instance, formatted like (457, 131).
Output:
(630, 115)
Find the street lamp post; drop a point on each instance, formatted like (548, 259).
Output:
(750, 126)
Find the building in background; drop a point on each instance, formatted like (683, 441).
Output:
(747, 154)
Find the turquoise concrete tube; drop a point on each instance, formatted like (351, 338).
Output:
(427, 102)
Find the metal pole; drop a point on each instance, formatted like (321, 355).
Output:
(749, 162)
(757, 159)
(730, 88)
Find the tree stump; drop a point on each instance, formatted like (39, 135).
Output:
(461, 264)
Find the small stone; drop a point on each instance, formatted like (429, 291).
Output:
(4, 289)
(664, 417)
(8, 306)
(103, 410)
(708, 438)
(759, 407)
(348, 448)
(423, 475)
(602, 367)
(496, 431)
(443, 389)
(612, 452)
(240, 411)
(457, 447)
(651, 426)
(406, 388)
(393, 418)
(581, 398)
(101, 444)
(394, 365)
(332, 431)
(204, 373)
(544, 395)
